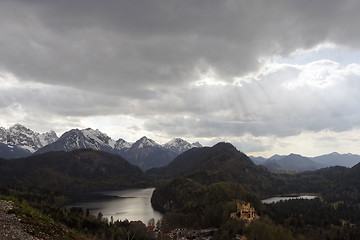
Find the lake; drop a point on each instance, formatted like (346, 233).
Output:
(278, 199)
(130, 204)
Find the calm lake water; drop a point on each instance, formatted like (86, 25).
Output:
(278, 199)
(130, 204)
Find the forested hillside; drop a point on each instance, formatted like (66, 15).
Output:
(83, 169)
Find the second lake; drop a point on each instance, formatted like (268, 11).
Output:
(278, 199)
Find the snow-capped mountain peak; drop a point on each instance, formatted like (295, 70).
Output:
(179, 145)
(77, 139)
(19, 135)
(176, 142)
(18, 126)
(197, 144)
(122, 144)
(48, 137)
(97, 136)
(145, 142)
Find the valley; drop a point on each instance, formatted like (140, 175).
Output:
(181, 119)
(197, 190)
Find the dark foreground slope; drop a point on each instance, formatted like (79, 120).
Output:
(83, 169)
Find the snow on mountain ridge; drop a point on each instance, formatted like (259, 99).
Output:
(31, 141)
(121, 144)
(145, 142)
(2, 134)
(176, 142)
(46, 138)
(72, 140)
(25, 138)
(197, 144)
(179, 145)
(98, 137)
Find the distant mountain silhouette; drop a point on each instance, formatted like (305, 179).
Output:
(336, 159)
(298, 163)
(293, 162)
(258, 160)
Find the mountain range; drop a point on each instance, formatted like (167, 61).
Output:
(147, 154)
(296, 162)
(19, 141)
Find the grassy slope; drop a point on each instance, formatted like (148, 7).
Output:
(38, 224)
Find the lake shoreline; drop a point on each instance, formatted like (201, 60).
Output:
(276, 199)
(132, 204)
(76, 196)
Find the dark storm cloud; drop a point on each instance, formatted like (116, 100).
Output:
(123, 46)
(149, 60)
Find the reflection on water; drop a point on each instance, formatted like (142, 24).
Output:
(131, 204)
(278, 199)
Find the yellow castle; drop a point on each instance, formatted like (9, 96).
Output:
(244, 211)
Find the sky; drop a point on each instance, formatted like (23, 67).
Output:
(269, 76)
